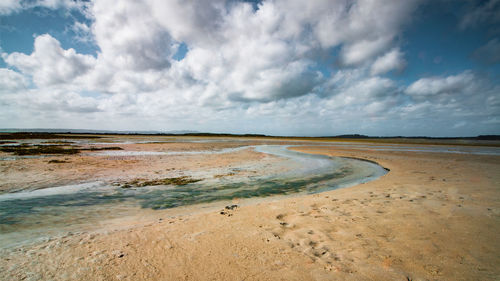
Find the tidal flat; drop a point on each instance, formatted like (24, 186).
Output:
(125, 207)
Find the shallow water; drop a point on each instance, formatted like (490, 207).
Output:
(30, 215)
(146, 153)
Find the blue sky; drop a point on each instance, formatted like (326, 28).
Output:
(273, 67)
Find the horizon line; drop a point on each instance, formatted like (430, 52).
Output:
(198, 133)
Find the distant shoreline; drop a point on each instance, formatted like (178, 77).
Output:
(197, 133)
(482, 140)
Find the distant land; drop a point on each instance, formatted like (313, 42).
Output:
(207, 134)
(91, 131)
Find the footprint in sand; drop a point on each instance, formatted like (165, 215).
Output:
(295, 230)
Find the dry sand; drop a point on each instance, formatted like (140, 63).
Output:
(434, 216)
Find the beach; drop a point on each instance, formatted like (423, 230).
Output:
(433, 216)
(249, 140)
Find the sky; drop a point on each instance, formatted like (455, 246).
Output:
(282, 67)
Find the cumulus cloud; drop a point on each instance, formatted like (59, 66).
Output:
(372, 27)
(9, 6)
(193, 22)
(359, 51)
(261, 66)
(11, 81)
(50, 64)
(368, 97)
(128, 37)
(12, 6)
(462, 95)
(55, 4)
(59, 100)
(236, 52)
(392, 60)
(82, 32)
(437, 86)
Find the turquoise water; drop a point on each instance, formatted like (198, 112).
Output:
(35, 211)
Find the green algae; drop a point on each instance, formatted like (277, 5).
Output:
(179, 181)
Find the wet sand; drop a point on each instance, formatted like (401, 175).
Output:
(36, 173)
(435, 216)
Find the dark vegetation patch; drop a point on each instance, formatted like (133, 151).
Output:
(165, 181)
(7, 142)
(55, 161)
(58, 142)
(24, 149)
(224, 175)
(102, 148)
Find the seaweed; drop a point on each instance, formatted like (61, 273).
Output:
(58, 142)
(23, 149)
(55, 161)
(102, 148)
(224, 175)
(184, 180)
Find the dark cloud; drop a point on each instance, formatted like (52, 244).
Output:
(488, 53)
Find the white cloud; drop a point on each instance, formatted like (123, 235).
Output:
(11, 81)
(128, 37)
(371, 28)
(82, 32)
(62, 101)
(362, 50)
(49, 102)
(235, 53)
(49, 64)
(193, 22)
(392, 60)
(246, 70)
(12, 6)
(363, 96)
(9, 6)
(54, 4)
(464, 95)
(436, 86)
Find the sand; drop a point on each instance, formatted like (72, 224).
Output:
(434, 216)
